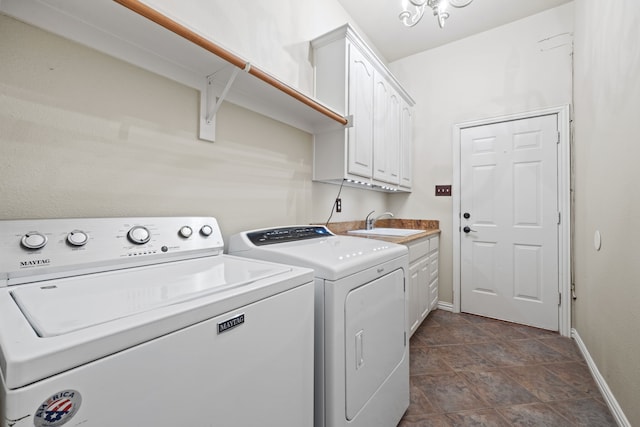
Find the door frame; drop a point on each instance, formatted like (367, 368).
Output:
(564, 205)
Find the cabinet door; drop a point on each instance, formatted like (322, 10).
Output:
(393, 139)
(423, 288)
(414, 318)
(406, 145)
(433, 289)
(386, 132)
(434, 255)
(360, 135)
(380, 112)
(433, 280)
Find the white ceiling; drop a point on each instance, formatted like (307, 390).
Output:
(379, 20)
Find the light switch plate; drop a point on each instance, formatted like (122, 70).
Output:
(443, 190)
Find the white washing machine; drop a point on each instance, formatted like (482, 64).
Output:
(362, 358)
(139, 322)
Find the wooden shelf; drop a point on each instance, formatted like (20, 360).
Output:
(142, 36)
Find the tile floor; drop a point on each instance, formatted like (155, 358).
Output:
(472, 371)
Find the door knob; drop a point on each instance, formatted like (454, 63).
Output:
(468, 229)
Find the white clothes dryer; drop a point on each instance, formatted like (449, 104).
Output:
(361, 339)
(137, 322)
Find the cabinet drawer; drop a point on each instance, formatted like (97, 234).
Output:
(433, 287)
(433, 293)
(433, 266)
(434, 243)
(418, 249)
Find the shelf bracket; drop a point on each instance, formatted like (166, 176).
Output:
(210, 103)
(349, 121)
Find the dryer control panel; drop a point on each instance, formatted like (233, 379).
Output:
(287, 234)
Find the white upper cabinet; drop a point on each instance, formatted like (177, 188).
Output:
(371, 151)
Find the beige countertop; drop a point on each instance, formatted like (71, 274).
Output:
(429, 226)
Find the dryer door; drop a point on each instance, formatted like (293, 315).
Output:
(375, 337)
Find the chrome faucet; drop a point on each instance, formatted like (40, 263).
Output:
(370, 223)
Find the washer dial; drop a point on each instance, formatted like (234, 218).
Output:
(77, 238)
(33, 240)
(139, 235)
(185, 231)
(206, 230)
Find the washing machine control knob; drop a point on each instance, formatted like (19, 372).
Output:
(33, 240)
(77, 238)
(139, 235)
(185, 231)
(206, 230)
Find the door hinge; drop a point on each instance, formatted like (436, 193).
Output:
(558, 142)
(559, 217)
(405, 338)
(559, 298)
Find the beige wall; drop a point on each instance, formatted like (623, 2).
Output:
(498, 72)
(607, 195)
(273, 35)
(83, 134)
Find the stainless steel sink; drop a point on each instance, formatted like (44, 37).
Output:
(395, 232)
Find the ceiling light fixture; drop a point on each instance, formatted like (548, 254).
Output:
(414, 10)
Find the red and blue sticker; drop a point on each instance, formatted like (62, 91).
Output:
(58, 409)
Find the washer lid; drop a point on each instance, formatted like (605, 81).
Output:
(57, 307)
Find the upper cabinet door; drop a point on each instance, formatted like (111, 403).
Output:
(380, 112)
(393, 139)
(386, 131)
(406, 145)
(360, 138)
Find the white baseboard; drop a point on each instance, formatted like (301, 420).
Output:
(446, 306)
(612, 403)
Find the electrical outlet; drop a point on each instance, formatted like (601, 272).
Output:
(443, 190)
(338, 205)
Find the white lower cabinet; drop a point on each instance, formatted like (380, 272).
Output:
(423, 278)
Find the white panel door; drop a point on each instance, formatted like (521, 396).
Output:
(509, 221)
